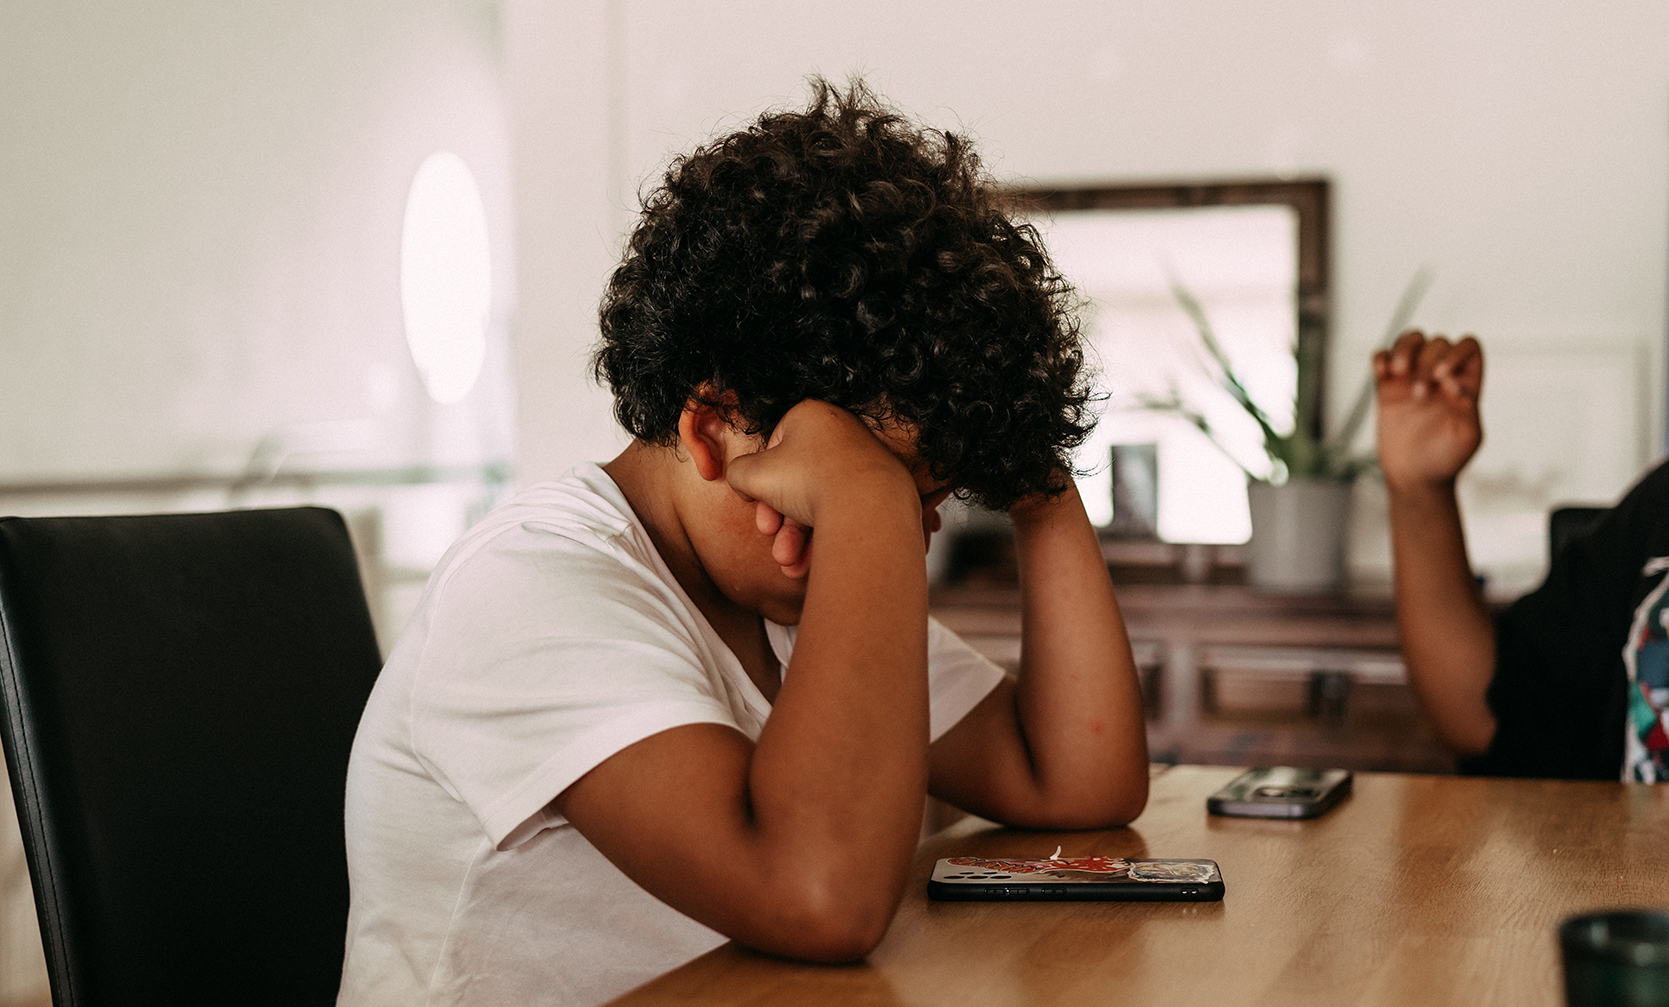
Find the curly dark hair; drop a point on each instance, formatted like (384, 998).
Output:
(843, 253)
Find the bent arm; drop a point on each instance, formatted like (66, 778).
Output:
(1429, 428)
(800, 844)
(1065, 746)
(1448, 640)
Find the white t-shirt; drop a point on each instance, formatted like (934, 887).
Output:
(550, 637)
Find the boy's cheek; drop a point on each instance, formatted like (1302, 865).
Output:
(785, 607)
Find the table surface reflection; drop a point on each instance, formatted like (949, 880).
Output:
(1415, 890)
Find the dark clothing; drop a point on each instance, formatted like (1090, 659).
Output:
(1561, 689)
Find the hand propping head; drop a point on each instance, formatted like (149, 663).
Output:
(818, 455)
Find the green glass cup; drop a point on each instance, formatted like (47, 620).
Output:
(1616, 959)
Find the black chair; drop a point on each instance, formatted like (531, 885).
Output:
(180, 695)
(1567, 524)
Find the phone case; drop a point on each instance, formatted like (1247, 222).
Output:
(1075, 879)
(1280, 792)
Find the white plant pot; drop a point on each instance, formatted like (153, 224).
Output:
(1298, 535)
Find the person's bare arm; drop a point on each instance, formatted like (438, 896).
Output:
(1428, 429)
(1065, 746)
(798, 845)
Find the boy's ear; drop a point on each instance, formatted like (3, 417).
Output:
(703, 431)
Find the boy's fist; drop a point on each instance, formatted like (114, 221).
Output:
(1428, 408)
(818, 456)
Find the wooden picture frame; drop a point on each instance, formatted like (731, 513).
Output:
(1310, 199)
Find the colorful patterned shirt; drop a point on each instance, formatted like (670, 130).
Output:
(1646, 656)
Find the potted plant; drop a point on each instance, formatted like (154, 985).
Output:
(1301, 507)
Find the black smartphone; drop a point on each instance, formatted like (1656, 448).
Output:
(1075, 879)
(1280, 792)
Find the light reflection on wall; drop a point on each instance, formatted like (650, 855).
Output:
(446, 277)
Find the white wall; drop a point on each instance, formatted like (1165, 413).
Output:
(565, 87)
(200, 211)
(1517, 149)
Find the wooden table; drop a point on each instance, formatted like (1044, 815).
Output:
(1415, 890)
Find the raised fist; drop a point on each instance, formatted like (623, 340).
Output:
(1428, 408)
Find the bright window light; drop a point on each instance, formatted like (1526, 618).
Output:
(446, 276)
(1241, 263)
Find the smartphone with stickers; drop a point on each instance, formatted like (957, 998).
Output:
(1280, 792)
(1075, 879)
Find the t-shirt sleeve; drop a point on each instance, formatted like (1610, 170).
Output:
(958, 677)
(542, 658)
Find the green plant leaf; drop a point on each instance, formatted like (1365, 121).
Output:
(1400, 317)
(1229, 380)
(1300, 454)
(1174, 405)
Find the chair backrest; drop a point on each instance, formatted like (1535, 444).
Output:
(1566, 524)
(180, 695)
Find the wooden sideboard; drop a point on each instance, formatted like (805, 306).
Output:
(1202, 644)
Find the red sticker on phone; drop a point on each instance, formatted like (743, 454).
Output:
(1089, 865)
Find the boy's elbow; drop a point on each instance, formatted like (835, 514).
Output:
(1468, 737)
(1128, 808)
(833, 942)
(832, 921)
(1105, 808)
(1117, 808)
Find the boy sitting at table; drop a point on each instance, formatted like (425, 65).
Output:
(1571, 680)
(695, 693)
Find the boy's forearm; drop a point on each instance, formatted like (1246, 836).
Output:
(1448, 640)
(840, 769)
(798, 844)
(1079, 699)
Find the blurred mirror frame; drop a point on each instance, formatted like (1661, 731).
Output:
(1308, 201)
